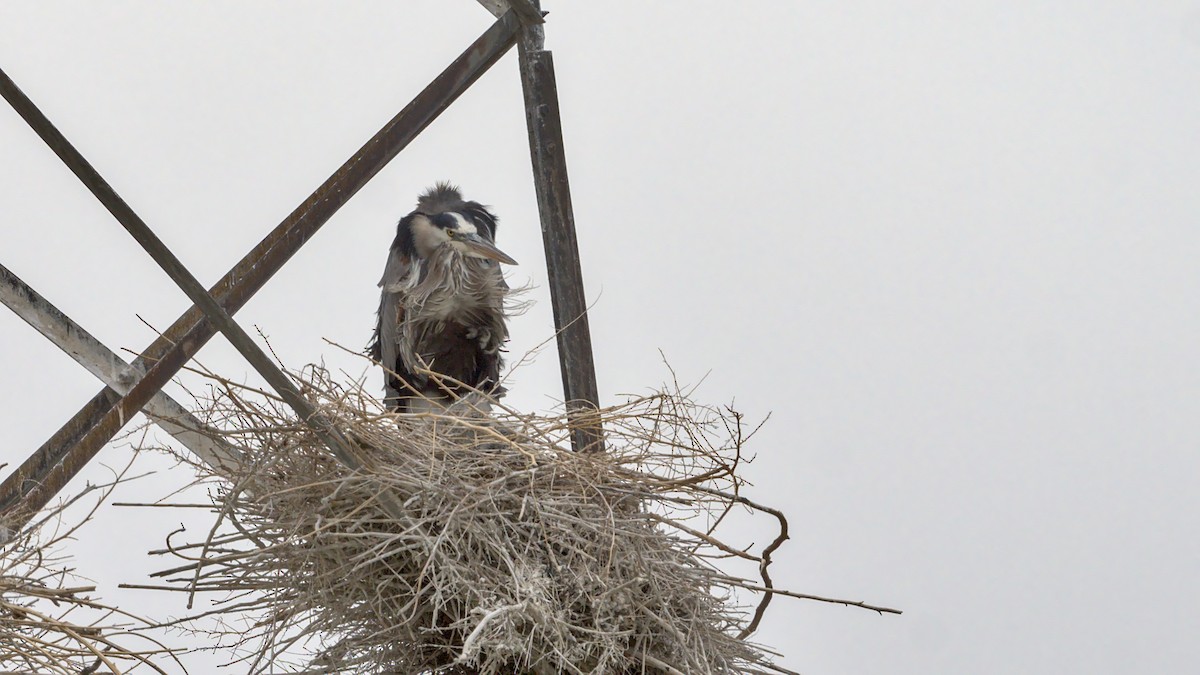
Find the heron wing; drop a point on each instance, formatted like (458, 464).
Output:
(390, 325)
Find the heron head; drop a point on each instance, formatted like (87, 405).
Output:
(457, 231)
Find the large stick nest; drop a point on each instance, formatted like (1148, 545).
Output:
(513, 554)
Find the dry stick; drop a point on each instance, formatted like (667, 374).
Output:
(212, 532)
(768, 586)
(715, 543)
(164, 505)
(80, 639)
(765, 563)
(805, 596)
(50, 592)
(661, 665)
(474, 636)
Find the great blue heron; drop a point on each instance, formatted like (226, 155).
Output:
(442, 303)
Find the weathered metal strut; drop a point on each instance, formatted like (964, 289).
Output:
(52, 465)
(558, 237)
(112, 370)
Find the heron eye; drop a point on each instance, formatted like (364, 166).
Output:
(451, 233)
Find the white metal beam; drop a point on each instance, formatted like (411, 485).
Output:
(111, 369)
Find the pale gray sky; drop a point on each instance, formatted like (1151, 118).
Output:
(952, 247)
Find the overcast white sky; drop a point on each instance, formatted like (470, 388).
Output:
(951, 245)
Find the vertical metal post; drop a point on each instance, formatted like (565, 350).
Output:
(558, 236)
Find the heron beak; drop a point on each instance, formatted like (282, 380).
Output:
(481, 248)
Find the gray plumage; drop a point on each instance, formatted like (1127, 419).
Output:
(442, 302)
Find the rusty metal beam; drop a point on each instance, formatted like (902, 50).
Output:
(65, 453)
(111, 369)
(558, 237)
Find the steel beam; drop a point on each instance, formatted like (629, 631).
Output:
(558, 237)
(61, 457)
(112, 370)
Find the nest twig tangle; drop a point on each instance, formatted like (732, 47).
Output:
(51, 621)
(513, 554)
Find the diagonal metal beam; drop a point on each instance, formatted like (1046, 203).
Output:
(64, 454)
(564, 271)
(112, 370)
